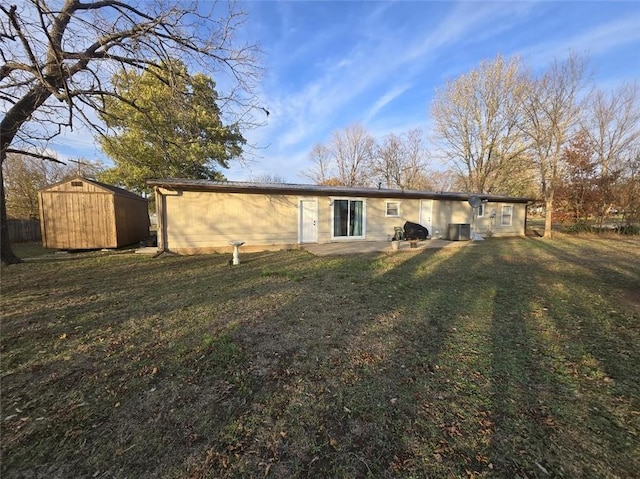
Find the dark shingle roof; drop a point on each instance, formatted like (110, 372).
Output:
(321, 190)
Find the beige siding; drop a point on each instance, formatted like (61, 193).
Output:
(201, 221)
(446, 212)
(191, 222)
(485, 224)
(379, 226)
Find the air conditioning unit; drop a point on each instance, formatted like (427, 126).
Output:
(459, 231)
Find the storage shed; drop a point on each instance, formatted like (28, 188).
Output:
(85, 214)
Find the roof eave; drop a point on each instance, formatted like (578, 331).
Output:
(304, 190)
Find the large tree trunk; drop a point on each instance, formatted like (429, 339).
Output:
(9, 126)
(548, 211)
(7, 256)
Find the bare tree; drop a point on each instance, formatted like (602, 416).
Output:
(345, 161)
(477, 121)
(628, 194)
(267, 178)
(612, 123)
(444, 180)
(400, 161)
(550, 112)
(24, 175)
(321, 171)
(352, 150)
(58, 57)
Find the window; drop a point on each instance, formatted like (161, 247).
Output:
(481, 210)
(392, 209)
(507, 213)
(76, 183)
(348, 218)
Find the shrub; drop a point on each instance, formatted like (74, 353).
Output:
(580, 226)
(628, 229)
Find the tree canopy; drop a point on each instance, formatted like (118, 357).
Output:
(162, 128)
(477, 125)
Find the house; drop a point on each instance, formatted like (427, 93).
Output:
(198, 216)
(81, 213)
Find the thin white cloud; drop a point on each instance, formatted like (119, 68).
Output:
(385, 100)
(385, 61)
(594, 42)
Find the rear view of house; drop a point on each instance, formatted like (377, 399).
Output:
(198, 216)
(85, 214)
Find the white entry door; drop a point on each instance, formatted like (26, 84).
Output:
(308, 221)
(426, 209)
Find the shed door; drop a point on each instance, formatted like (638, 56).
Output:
(426, 209)
(308, 221)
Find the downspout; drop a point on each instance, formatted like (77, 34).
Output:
(161, 231)
(526, 215)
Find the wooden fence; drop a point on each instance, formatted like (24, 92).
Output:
(21, 231)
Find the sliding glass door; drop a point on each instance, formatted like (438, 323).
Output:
(348, 218)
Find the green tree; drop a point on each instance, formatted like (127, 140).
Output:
(162, 128)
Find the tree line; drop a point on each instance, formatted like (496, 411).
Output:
(501, 128)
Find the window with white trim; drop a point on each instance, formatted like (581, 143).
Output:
(392, 209)
(507, 215)
(481, 210)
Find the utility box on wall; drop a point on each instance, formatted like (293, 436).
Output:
(85, 214)
(459, 232)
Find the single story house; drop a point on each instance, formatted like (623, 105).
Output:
(199, 216)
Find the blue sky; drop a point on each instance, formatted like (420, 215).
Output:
(331, 64)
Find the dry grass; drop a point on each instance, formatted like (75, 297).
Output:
(512, 358)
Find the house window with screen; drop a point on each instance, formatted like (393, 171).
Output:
(507, 214)
(392, 209)
(348, 218)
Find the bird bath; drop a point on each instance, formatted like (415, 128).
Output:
(236, 250)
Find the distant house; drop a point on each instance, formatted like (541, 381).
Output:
(198, 216)
(85, 214)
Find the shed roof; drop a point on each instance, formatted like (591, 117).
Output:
(113, 189)
(322, 190)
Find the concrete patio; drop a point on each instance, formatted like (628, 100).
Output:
(355, 247)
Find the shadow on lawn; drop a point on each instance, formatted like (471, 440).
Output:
(555, 357)
(438, 363)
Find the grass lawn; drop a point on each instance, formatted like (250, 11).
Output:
(504, 359)
(30, 249)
